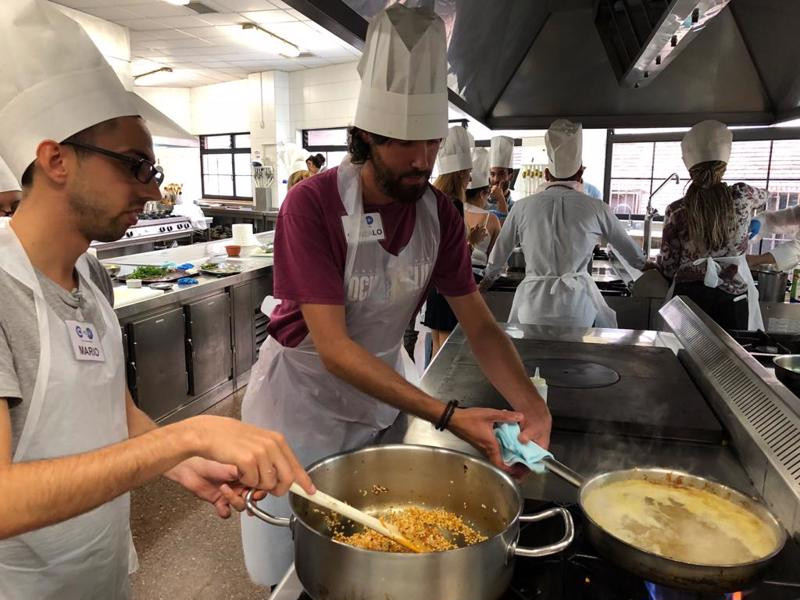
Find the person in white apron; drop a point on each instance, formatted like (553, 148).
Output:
(705, 233)
(72, 442)
(347, 378)
(558, 229)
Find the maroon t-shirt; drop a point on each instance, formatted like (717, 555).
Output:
(310, 251)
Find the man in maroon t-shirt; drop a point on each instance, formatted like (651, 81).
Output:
(356, 249)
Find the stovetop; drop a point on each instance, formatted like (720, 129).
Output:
(579, 574)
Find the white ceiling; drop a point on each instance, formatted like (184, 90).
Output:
(202, 50)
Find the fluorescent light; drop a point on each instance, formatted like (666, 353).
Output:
(262, 39)
(178, 2)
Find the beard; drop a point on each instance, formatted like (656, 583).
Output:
(391, 183)
(91, 215)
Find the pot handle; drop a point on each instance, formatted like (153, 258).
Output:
(569, 533)
(264, 516)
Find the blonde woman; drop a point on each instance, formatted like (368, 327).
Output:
(705, 233)
(455, 165)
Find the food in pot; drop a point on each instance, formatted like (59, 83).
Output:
(686, 524)
(435, 530)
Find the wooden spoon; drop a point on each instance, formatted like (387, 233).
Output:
(362, 518)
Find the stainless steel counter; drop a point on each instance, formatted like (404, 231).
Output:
(587, 453)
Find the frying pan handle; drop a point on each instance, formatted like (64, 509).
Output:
(264, 516)
(569, 533)
(563, 471)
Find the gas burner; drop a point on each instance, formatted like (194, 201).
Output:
(660, 592)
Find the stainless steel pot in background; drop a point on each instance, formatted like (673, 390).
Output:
(516, 262)
(787, 370)
(771, 284)
(420, 476)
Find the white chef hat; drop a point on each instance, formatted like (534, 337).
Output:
(706, 141)
(455, 153)
(404, 75)
(480, 169)
(293, 158)
(564, 142)
(8, 183)
(53, 81)
(501, 152)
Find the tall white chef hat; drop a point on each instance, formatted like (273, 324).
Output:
(706, 141)
(501, 152)
(8, 183)
(404, 75)
(455, 153)
(480, 169)
(564, 142)
(53, 81)
(293, 158)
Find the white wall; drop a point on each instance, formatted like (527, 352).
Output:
(176, 103)
(221, 108)
(324, 97)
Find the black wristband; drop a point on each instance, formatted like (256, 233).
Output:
(447, 414)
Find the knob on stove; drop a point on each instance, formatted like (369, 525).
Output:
(161, 229)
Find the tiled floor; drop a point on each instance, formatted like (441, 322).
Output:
(185, 550)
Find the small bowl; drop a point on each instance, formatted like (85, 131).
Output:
(112, 270)
(233, 250)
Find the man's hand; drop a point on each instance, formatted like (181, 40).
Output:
(476, 426)
(214, 482)
(536, 424)
(263, 459)
(498, 196)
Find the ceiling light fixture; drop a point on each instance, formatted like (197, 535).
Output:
(178, 2)
(138, 78)
(263, 39)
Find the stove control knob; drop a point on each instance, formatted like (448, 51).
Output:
(161, 229)
(169, 228)
(128, 234)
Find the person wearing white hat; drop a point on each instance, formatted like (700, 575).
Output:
(454, 164)
(72, 442)
(356, 249)
(784, 255)
(10, 191)
(476, 213)
(558, 229)
(501, 171)
(705, 233)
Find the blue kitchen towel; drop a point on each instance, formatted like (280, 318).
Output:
(514, 451)
(185, 267)
(187, 281)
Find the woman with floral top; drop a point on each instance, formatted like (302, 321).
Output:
(706, 232)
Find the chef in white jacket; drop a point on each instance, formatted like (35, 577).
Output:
(10, 191)
(558, 228)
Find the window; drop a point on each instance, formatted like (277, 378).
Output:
(639, 166)
(331, 143)
(225, 166)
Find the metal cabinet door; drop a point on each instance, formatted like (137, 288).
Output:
(158, 362)
(208, 335)
(244, 346)
(261, 288)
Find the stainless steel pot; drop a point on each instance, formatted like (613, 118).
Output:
(658, 568)
(771, 284)
(416, 475)
(787, 370)
(516, 261)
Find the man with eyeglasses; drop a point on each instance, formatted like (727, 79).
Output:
(10, 192)
(72, 443)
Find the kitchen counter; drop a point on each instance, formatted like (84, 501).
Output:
(586, 452)
(190, 347)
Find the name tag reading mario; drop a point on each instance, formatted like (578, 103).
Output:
(85, 341)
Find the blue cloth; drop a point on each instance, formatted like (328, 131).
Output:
(755, 227)
(185, 267)
(592, 191)
(187, 281)
(530, 454)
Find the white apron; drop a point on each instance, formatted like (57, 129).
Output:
(714, 267)
(594, 310)
(77, 406)
(291, 391)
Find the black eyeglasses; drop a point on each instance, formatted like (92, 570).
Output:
(142, 169)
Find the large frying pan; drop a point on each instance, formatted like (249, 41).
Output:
(660, 569)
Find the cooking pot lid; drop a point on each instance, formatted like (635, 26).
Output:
(574, 374)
